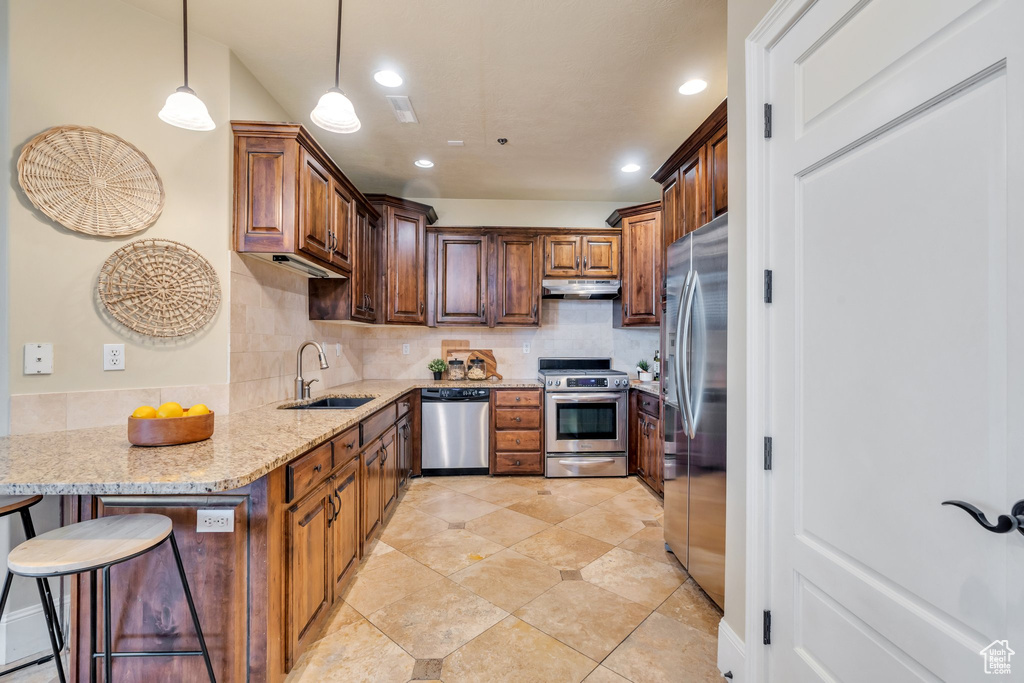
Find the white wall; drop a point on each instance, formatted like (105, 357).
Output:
(5, 181)
(743, 16)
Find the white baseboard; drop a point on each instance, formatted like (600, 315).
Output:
(731, 653)
(23, 631)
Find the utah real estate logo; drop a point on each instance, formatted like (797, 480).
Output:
(997, 657)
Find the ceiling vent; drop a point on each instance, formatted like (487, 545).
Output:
(402, 108)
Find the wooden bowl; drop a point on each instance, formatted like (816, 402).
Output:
(169, 431)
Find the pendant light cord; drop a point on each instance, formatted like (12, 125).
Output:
(184, 30)
(337, 54)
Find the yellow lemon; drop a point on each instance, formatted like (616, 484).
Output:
(170, 409)
(198, 409)
(145, 412)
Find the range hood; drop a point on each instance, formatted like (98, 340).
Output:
(581, 289)
(298, 264)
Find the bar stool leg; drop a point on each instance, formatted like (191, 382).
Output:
(48, 603)
(92, 626)
(192, 609)
(7, 591)
(108, 638)
(51, 627)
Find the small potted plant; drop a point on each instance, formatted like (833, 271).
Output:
(436, 366)
(643, 371)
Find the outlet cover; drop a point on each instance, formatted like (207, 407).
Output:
(113, 357)
(405, 349)
(38, 358)
(526, 347)
(215, 521)
(337, 350)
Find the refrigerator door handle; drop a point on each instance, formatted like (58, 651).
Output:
(679, 359)
(691, 428)
(699, 337)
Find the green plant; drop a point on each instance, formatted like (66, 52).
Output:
(643, 365)
(437, 365)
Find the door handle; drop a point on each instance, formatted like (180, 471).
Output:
(584, 263)
(691, 428)
(1005, 523)
(588, 461)
(678, 352)
(577, 262)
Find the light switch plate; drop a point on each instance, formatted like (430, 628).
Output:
(38, 358)
(405, 349)
(526, 347)
(113, 357)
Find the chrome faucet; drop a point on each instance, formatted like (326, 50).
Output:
(302, 386)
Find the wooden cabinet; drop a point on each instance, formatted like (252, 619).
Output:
(646, 421)
(291, 198)
(517, 280)
(517, 431)
(640, 303)
(389, 471)
(308, 578)
(404, 226)
(718, 173)
(343, 488)
(670, 226)
(372, 488)
(364, 283)
(460, 278)
(403, 450)
(588, 256)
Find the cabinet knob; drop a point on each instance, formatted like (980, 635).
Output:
(518, 419)
(318, 468)
(350, 445)
(518, 398)
(518, 463)
(517, 441)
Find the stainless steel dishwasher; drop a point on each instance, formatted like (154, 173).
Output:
(455, 431)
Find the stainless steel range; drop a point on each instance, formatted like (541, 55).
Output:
(586, 411)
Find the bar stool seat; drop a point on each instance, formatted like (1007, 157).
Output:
(88, 545)
(12, 504)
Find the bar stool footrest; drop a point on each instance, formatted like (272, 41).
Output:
(161, 653)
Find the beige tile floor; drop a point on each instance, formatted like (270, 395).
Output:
(527, 579)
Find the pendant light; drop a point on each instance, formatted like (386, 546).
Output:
(182, 108)
(334, 111)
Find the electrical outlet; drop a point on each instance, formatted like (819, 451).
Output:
(337, 350)
(215, 521)
(38, 358)
(405, 349)
(113, 356)
(526, 347)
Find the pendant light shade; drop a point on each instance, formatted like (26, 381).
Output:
(183, 108)
(334, 112)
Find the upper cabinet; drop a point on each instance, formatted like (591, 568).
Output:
(517, 280)
(460, 278)
(404, 226)
(581, 256)
(695, 179)
(292, 200)
(641, 265)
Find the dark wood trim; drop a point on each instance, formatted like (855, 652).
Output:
(399, 203)
(615, 219)
(696, 140)
(521, 230)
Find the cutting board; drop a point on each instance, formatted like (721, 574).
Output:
(490, 364)
(449, 345)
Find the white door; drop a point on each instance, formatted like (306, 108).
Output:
(895, 359)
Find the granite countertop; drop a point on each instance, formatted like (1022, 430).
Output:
(653, 388)
(245, 446)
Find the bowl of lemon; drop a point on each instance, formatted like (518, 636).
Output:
(170, 425)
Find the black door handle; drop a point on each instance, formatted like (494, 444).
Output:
(1004, 525)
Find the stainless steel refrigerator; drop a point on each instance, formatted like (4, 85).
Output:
(693, 342)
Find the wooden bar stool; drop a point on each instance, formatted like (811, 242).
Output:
(21, 504)
(97, 545)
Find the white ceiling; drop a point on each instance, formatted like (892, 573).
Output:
(579, 87)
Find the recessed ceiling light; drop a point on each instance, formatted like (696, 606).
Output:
(692, 87)
(425, 163)
(630, 168)
(389, 79)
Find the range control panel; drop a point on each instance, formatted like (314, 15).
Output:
(587, 382)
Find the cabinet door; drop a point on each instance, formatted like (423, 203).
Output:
(718, 174)
(655, 461)
(461, 280)
(343, 487)
(308, 581)
(693, 195)
(600, 256)
(671, 221)
(641, 446)
(389, 467)
(314, 207)
(517, 281)
(406, 266)
(264, 194)
(641, 269)
(562, 256)
(364, 269)
(371, 490)
(404, 452)
(342, 221)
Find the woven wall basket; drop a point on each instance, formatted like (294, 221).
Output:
(159, 288)
(91, 181)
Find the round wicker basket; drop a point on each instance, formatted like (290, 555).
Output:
(159, 288)
(91, 181)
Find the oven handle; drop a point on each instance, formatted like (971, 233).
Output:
(599, 461)
(585, 398)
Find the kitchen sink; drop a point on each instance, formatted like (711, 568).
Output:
(334, 402)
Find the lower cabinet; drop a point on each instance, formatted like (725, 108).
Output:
(371, 489)
(389, 471)
(517, 431)
(650, 463)
(344, 490)
(309, 582)
(404, 450)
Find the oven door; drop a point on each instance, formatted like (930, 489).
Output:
(585, 422)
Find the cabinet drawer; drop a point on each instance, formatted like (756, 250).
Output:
(519, 463)
(306, 472)
(516, 419)
(346, 446)
(403, 406)
(648, 404)
(517, 441)
(517, 399)
(377, 424)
